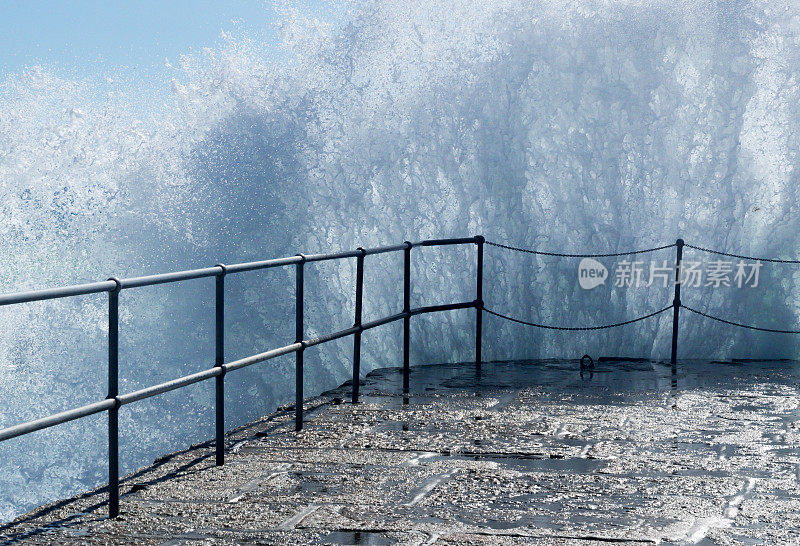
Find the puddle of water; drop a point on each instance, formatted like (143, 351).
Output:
(532, 463)
(356, 537)
(385, 401)
(391, 426)
(312, 487)
(569, 465)
(619, 375)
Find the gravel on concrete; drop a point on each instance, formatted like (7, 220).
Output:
(527, 452)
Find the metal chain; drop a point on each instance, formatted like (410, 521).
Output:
(609, 255)
(739, 324)
(751, 258)
(576, 328)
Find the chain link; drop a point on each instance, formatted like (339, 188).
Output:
(751, 258)
(739, 324)
(609, 255)
(576, 328)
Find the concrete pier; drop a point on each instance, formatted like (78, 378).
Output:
(525, 453)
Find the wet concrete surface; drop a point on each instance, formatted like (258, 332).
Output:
(528, 452)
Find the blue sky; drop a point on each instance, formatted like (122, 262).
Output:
(82, 38)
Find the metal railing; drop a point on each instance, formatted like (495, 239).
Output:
(676, 304)
(676, 300)
(114, 286)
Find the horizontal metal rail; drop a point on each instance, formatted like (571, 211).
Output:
(335, 256)
(162, 388)
(56, 419)
(163, 278)
(56, 293)
(329, 337)
(444, 242)
(265, 264)
(385, 320)
(443, 307)
(384, 249)
(177, 276)
(262, 357)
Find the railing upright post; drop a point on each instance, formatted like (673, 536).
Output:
(219, 360)
(479, 304)
(298, 330)
(113, 391)
(676, 302)
(357, 324)
(406, 317)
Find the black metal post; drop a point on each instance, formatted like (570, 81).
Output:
(219, 360)
(479, 304)
(357, 324)
(676, 303)
(113, 391)
(407, 317)
(298, 331)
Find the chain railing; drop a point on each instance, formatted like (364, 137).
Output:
(676, 302)
(115, 286)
